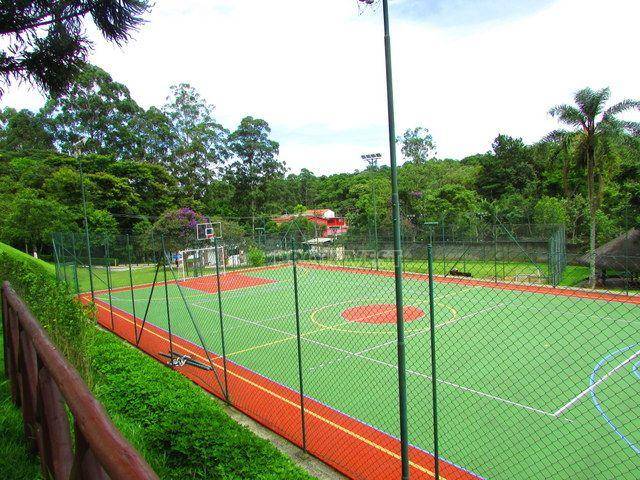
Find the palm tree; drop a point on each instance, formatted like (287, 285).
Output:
(592, 140)
(563, 139)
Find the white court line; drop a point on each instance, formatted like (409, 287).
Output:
(395, 367)
(587, 391)
(375, 347)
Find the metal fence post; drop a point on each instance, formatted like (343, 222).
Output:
(299, 344)
(64, 266)
(93, 295)
(397, 250)
(75, 263)
(133, 299)
(224, 351)
(153, 248)
(106, 248)
(495, 254)
(56, 256)
(164, 256)
(434, 385)
(444, 251)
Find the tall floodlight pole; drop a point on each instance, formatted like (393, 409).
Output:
(397, 251)
(372, 161)
(78, 150)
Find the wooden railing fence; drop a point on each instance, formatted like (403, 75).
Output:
(44, 385)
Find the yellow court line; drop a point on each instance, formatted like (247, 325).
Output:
(286, 400)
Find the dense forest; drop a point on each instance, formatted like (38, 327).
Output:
(139, 164)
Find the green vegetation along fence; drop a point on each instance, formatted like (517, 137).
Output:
(45, 385)
(514, 370)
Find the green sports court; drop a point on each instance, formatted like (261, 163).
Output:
(532, 382)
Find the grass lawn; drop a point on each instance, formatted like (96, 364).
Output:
(20, 255)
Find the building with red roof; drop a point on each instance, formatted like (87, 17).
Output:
(331, 225)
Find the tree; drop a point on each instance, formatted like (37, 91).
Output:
(96, 108)
(595, 131)
(155, 137)
(562, 140)
(255, 162)
(550, 210)
(102, 224)
(177, 227)
(509, 169)
(417, 144)
(30, 221)
(454, 206)
(22, 130)
(46, 44)
(114, 195)
(198, 142)
(364, 211)
(154, 187)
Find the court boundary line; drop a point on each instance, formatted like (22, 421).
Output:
(200, 293)
(175, 282)
(341, 415)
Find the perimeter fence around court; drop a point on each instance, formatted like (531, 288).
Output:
(512, 369)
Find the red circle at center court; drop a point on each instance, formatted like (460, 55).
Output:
(380, 313)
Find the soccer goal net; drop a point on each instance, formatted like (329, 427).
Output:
(198, 262)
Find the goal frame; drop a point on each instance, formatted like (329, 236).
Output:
(210, 257)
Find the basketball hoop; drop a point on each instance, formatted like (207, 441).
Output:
(209, 230)
(367, 6)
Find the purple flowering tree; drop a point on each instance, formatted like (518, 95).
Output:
(178, 227)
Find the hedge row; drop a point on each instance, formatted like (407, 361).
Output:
(176, 426)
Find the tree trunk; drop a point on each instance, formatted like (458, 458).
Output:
(592, 219)
(592, 252)
(565, 176)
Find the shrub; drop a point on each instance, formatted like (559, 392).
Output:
(66, 321)
(256, 257)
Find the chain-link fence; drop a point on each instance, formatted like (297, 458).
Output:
(514, 369)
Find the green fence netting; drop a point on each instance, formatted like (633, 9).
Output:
(514, 369)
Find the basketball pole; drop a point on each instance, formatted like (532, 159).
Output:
(397, 252)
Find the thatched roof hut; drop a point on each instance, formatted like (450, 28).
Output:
(621, 253)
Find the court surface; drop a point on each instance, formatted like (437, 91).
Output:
(532, 382)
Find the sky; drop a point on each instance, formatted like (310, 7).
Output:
(465, 69)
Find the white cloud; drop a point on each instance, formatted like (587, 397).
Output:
(318, 65)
